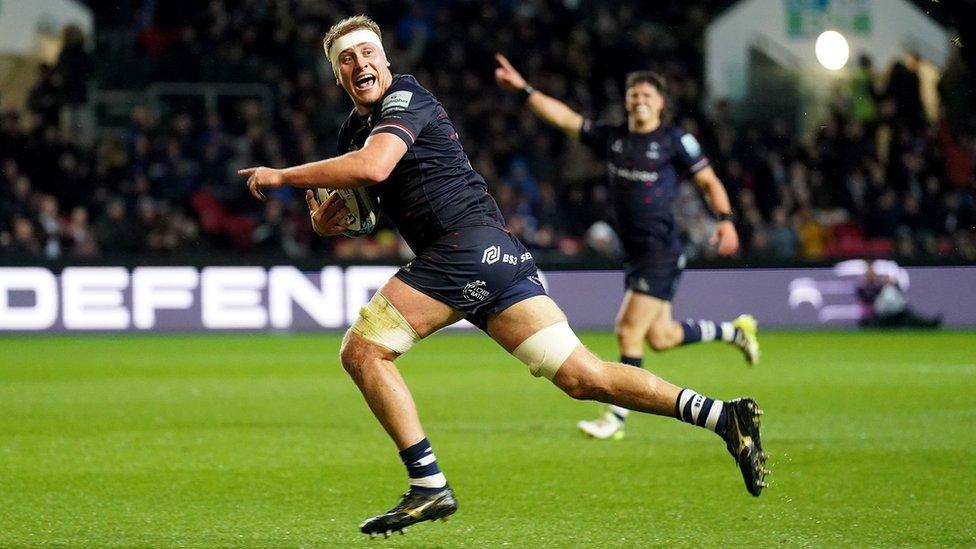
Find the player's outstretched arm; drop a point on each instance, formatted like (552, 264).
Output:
(725, 235)
(549, 109)
(367, 166)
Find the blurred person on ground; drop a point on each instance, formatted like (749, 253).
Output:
(885, 305)
(646, 160)
(399, 144)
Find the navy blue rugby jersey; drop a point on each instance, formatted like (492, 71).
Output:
(644, 171)
(433, 189)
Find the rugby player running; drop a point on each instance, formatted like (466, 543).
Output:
(646, 160)
(399, 142)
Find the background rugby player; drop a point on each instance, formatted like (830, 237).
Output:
(646, 160)
(399, 142)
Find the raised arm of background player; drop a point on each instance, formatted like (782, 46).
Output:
(558, 114)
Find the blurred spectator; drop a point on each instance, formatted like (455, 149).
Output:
(883, 218)
(79, 234)
(812, 234)
(114, 232)
(904, 92)
(25, 239)
(75, 67)
(47, 97)
(49, 221)
(521, 180)
(957, 88)
(277, 232)
(864, 94)
(783, 240)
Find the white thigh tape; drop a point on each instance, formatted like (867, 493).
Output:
(546, 350)
(380, 322)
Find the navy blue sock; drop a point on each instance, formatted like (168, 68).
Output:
(706, 330)
(421, 463)
(637, 361)
(702, 411)
(692, 332)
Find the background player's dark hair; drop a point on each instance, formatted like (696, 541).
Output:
(647, 77)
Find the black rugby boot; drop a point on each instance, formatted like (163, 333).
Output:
(413, 508)
(743, 442)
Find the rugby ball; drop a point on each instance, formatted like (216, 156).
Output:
(362, 209)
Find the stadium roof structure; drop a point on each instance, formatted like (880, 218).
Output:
(785, 31)
(21, 22)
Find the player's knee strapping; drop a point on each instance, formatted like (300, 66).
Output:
(380, 322)
(546, 350)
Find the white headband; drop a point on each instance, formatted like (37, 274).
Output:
(349, 40)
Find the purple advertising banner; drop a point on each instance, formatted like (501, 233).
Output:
(80, 299)
(802, 298)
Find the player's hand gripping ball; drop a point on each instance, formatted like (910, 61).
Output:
(361, 217)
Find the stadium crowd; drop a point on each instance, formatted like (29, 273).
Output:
(877, 177)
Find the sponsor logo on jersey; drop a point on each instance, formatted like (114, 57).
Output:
(492, 255)
(632, 175)
(691, 145)
(396, 102)
(475, 290)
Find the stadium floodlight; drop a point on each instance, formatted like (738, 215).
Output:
(832, 50)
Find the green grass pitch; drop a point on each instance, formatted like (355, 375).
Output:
(262, 440)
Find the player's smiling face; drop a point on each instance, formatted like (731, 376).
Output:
(644, 104)
(365, 74)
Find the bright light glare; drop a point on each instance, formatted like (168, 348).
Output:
(832, 50)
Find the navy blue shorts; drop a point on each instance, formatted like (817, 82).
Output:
(479, 271)
(656, 278)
